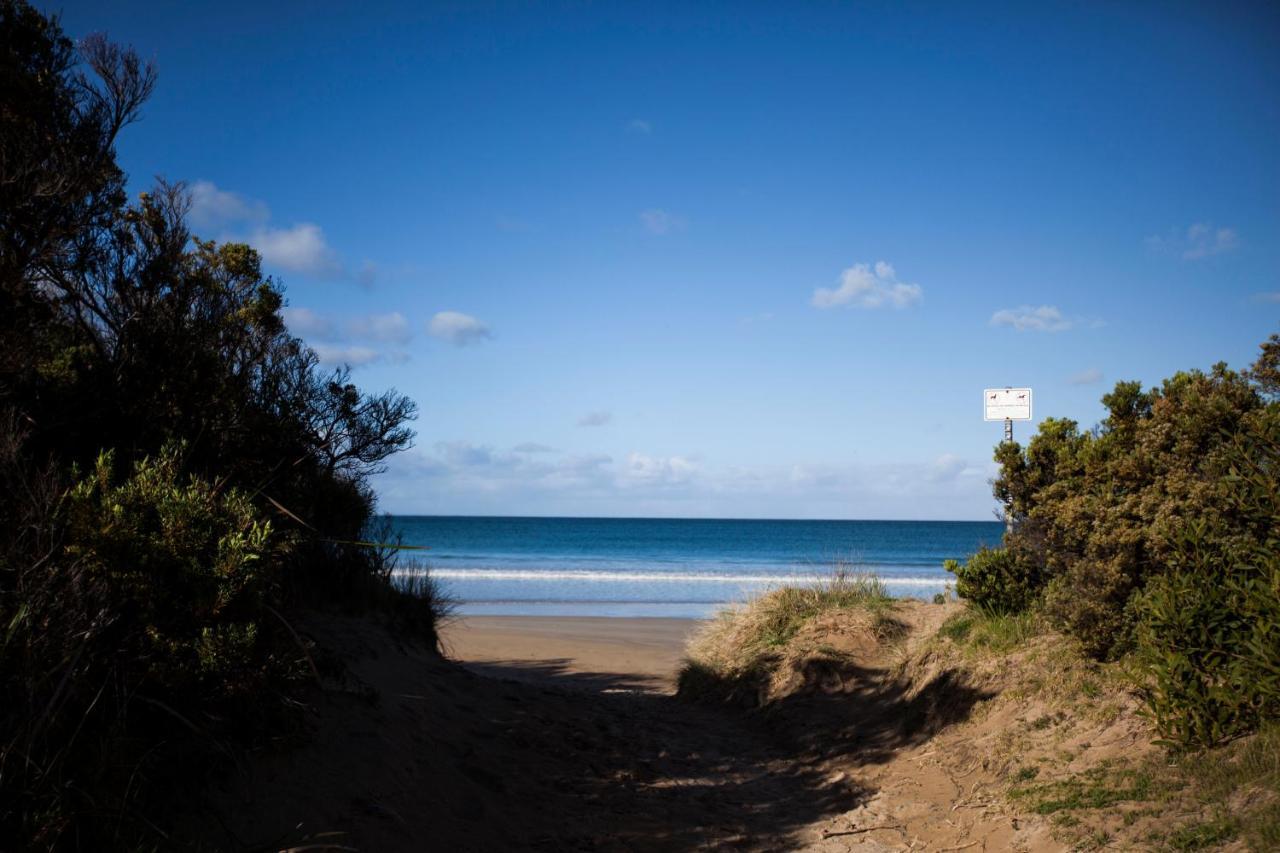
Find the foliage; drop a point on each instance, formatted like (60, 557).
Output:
(1094, 511)
(188, 569)
(176, 470)
(1159, 532)
(995, 580)
(141, 624)
(1209, 627)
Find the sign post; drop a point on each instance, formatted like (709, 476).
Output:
(1008, 405)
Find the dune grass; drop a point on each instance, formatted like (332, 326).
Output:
(979, 630)
(740, 650)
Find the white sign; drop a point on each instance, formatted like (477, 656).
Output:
(1006, 404)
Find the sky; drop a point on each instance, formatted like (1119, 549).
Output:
(741, 260)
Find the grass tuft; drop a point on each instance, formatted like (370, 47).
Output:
(998, 633)
(737, 654)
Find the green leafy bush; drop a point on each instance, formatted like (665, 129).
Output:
(995, 580)
(1159, 532)
(190, 567)
(143, 604)
(1209, 629)
(1093, 509)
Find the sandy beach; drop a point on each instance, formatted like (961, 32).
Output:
(599, 653)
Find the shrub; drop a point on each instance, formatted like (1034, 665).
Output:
(137, 633)
(189, 569)
(994, 580)
(1092, 509)
(1209, 629)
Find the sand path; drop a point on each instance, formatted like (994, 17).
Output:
(546, 738)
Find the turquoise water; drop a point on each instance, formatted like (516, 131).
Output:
(671, 567)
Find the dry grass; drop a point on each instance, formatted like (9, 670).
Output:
(743, 651)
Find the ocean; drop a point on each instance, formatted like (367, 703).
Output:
(670, 567)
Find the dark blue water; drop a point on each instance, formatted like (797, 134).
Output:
(672, 567)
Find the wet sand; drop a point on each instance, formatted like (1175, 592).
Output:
(594, 652)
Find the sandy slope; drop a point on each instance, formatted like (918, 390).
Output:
(410, 752)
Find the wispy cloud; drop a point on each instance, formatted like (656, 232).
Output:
(306, 323)
(1085, 377)
(639, 125)
(348, 341)
(457, 328)
(479, 479)
(947, 467)
(1197, 241)
(1025, 318)
(390, 328)
(863, 286)
(215, 208)
(658, 470)
(300, 247)
(660, 222)
(1272, 296)
(595, 419)
(352, 356)
(532, 447)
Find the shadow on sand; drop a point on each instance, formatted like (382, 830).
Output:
(838, 708)
(560, 672)
(677, 775)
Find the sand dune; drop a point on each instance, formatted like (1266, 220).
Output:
(562, 735)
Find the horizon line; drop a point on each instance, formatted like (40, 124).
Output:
(693, 518)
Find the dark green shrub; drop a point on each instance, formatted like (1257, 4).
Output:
(1092, 508)
(1209, 630)
(189, 567)
(995, 580)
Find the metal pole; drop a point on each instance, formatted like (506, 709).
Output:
(1008, 436)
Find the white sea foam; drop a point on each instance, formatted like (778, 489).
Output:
(658, 577)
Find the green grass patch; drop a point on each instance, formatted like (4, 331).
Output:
(1097, 788)
(997, 633)
(1202, 836)
(1248, 766)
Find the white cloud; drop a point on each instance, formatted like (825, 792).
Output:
(532, 447)
(306, 323)
(639, 125)
(353, 356)
(1204, 240)
(1273, 296)
(301, 248)
(215, 208)
(324, 334)
(466, 478)
(464, 453)
(383, 328)
(594, 419)
(457, 328)
(865, 287)
(1025, 318)
(946, 467)
(659, 222)
(658, 470)
(1085, 377)
(1199, 240)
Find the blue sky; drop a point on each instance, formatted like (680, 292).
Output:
(741, 260)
